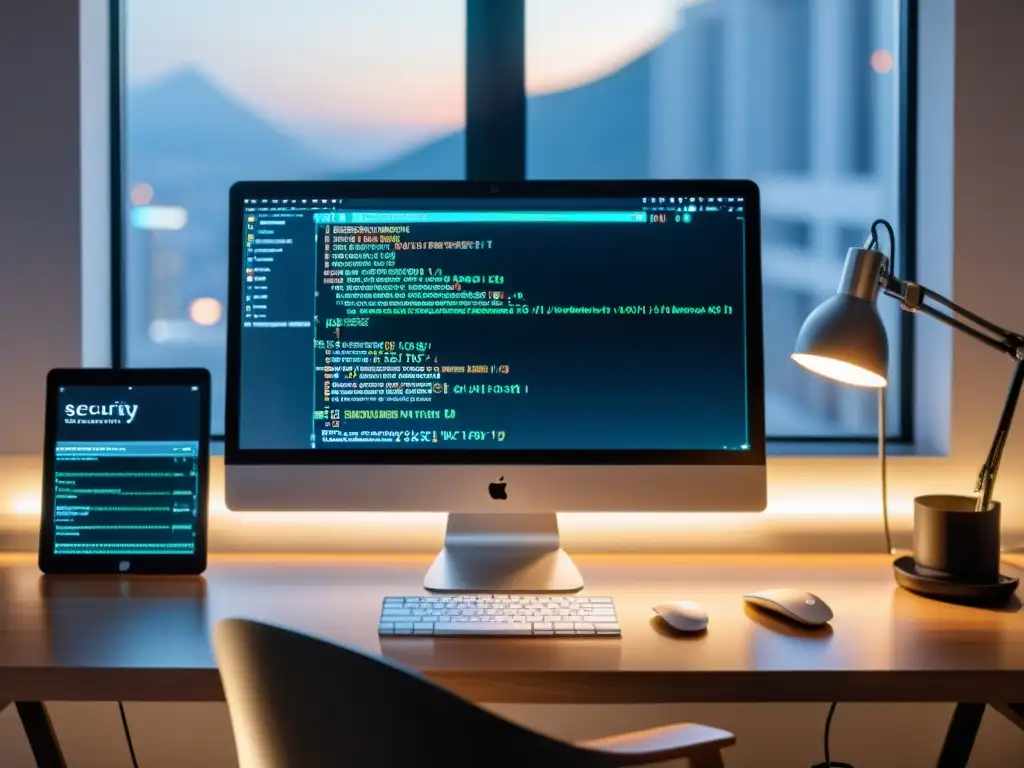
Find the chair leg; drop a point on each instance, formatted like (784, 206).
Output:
(710, 759)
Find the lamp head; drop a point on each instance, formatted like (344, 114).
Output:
(844, 338)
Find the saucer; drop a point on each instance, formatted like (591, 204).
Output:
(908, 577)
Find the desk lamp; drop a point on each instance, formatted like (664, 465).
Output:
(956, 538)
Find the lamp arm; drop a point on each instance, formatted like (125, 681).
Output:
(911, 297)
(966, 313)
(999, 345)
(987, 477)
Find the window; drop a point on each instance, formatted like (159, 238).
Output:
(786, 233)
(216, 92)
(799, 95)
(802, 96)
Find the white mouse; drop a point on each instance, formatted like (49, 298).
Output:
(683, 615)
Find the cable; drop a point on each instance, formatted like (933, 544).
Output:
(892, 240)
(828, 757)
(883, 435)
(128, 734)
(883, 459)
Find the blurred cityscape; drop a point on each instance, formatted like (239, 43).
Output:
(799, 95)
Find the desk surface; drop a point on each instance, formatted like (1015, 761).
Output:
(144, 639)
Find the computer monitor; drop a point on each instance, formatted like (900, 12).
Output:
(527, 348)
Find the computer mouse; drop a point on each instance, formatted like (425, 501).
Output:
(683, 615)
(793, 604)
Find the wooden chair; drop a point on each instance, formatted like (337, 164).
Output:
(299, 702)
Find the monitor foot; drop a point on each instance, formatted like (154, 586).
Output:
(503, 553)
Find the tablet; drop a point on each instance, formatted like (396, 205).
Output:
(125, 468)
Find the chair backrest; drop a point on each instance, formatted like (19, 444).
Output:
(295, 700)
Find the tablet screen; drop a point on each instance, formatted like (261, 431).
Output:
(126, 471)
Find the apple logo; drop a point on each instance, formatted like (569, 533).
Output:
(497, 490)
(124, 565)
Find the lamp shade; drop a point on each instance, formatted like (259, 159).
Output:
(844, 340)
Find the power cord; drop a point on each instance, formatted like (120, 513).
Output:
(892, 242)
(883, 432)
(828, 757)
(128, 735)
(883, 461)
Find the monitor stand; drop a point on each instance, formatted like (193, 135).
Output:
(504, 552)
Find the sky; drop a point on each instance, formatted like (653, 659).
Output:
(395, 64)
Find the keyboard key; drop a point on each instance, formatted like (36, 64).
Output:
(484, 629)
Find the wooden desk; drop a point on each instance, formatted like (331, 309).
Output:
(89, 639)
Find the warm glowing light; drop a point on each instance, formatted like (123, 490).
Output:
(882, 62)
(26, 504)
(205, 311)
(838, 370)
(141, 194)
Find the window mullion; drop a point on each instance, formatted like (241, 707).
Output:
(495, 90)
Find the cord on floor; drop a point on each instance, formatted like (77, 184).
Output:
(828, 756)
(127, 734)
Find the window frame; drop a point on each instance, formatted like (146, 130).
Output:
(495, 129)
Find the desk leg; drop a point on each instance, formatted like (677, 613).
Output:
(1012, 712)
(41, 737)
(960, 736)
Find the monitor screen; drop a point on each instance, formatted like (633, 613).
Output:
(543, 324)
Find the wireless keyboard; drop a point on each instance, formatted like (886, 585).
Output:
(499, 615)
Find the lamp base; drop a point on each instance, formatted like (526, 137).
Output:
(910, 577)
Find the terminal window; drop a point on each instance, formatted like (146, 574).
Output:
(126, 471)
(541, 324)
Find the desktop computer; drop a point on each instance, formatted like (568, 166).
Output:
(499, 352)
